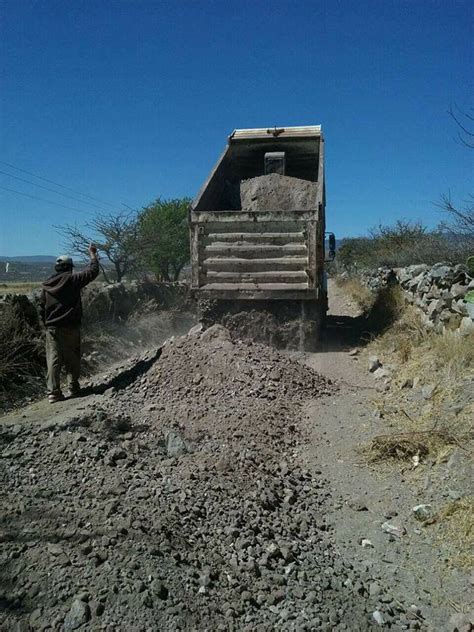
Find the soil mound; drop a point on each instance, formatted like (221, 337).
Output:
(212, 365)
(275, 192)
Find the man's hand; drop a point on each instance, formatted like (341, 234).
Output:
(92, 251)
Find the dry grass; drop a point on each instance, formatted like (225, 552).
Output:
(430, 408)
(403, 446)
(18, 288)
(361, 294)
(455, 529)
(21, 348)
(443, 361)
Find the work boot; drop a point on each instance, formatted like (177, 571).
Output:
(55, 397)
(74, 389)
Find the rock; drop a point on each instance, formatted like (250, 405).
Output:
(175, 444)
(83, 596)
(115, 455)
(159, 589)
(417, 269)
(366, 543)
(111, 508)
(374, 363)
(470, 310)
(197, 329)
(216, 333)
(441, 272)
(393, 529)
(78, 615)
(358, 504)
(378, 618)
(415, 282)
(458, 290)
(428, 391)
(381, 373)
(459, 307)
(435, 307)
(55, 549)
(275, 597)
(466, 326)
(422, 512)
(460, 622)
(374, 589)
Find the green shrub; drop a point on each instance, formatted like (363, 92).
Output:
(399, 245)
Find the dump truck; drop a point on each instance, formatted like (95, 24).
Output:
(258, 231)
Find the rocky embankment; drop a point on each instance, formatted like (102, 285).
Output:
(111, 302)
(444, 293)
(182, 503)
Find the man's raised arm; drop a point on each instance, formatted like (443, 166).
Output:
(89, 273)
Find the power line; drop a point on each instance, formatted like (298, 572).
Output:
(71, 197)
(114, 206)
(35, 197)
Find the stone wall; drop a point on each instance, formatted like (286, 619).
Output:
(116, 301)
(112, 302)
(443, 293)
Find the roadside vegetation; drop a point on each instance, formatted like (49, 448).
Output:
(153, 240)
(426, 408)
(402, 244)
(440, 366)
(21, 349)
(428, 411)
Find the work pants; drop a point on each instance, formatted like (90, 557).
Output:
(63, 349)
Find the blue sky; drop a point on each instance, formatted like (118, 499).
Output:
(128, 100)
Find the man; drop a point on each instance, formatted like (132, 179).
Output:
(61, 313)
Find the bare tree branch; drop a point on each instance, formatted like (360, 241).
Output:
(116, 236)
(463, 131)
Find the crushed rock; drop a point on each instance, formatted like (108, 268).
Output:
(226, 533)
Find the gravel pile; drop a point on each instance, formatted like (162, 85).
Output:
(179, 505)
(275, 192)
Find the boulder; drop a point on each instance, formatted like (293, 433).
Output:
(470, 310)
(415, 282)
(459, 307)
(458, 290)
(78, 615)
(417, 269)
(435, 308)
(175, 444)
(374, 363)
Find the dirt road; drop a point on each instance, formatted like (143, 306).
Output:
(215, 485)
(365, 497)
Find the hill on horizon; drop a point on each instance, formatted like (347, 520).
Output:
(29, 259)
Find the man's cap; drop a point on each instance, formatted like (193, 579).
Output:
(64, 260)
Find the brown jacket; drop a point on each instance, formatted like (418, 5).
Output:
(60, 301)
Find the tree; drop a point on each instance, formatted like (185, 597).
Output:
(115, 235)
(164, 237)
(460, 220)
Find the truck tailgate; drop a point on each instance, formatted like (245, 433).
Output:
(259, 254)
